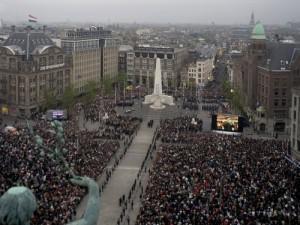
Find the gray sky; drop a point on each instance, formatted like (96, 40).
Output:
(158, 11)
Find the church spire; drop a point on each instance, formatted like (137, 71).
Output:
(252, 21)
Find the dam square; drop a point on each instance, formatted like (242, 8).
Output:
(149, 113)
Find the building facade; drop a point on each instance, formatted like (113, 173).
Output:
(123, 51)
(200, 71)
(30, 67)
(93, 55)
(141, 65)
(295, 123)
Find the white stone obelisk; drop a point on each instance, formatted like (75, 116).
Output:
(158, 99)
(157, 79)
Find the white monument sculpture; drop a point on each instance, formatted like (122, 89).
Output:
(158, 99)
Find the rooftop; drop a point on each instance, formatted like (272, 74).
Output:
(26, 42)
(125, 48)
(92, 33)
(281, 55)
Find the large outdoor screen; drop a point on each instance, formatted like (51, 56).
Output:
(57, 115)
(227, 122)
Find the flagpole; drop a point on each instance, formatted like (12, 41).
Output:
(115, 93)
(124, 89)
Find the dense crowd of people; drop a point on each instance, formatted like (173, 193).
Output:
(219, 179)
(22, 163)
(96, 110)
(88, 153)
(190, 102)
(116, 126)
(181, 129)
(210, 107)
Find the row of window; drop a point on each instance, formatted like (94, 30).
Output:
(51, 60)
(152, 55)
(276, 91)
(277, 102)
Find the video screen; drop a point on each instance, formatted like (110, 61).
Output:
(58, 114)
(224, 122)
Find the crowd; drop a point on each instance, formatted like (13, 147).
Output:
(219, 179)
(96, 110)
(190, 102)
(210, 107)
(115, 126)
(181, 129)
(23, 163)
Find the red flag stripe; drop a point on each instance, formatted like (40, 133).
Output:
(32, 16)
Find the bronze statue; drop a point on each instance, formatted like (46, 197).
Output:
(18, 204)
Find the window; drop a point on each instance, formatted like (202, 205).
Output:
(276, 82)
(43, 61)
(276, 102)
(295, 101)
(283, 91)
(51, 60)
(60, 59)
(294, 142)
(276, 91)
(295, 114)
(283, 102)
(284, 82)
(294, 128)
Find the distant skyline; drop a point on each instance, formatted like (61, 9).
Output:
(152, 11)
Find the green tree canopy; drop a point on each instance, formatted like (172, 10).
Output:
(68, 98)
(90, 91)
(107, 86)
(50, 100)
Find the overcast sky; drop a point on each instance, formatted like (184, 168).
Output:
(158, 11)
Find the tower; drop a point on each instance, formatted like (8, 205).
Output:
(252, 21)
(258, 39)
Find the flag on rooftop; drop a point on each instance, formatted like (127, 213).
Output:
(32, 19)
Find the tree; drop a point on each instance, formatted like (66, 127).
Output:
(121, 81)
(68, 98)
(122, 78)
(50, 100)
(234, 96)
(107, 86)
(90, 91)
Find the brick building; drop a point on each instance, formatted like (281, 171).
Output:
(264, 76)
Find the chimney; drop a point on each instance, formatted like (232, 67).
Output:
(44, 28)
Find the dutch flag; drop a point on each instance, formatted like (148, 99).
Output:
(32, 19)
